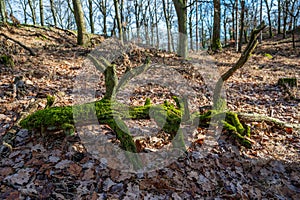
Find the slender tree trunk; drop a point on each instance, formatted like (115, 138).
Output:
(242, 25)
(216, 42)
(181, 11)
(237, 25)
(53, 12)
(246, 36)
(261, 19)
(118, 19)
(269, 18)
(225, 26)
(79, 18)
(104, 18)
(156, 24)
(279, 17)
(32, 9)
(285, 17)
(191, 30)
(291, 15)
(233, 22)
(203, 35)
(3, 11)
(92, 26)
(41, 13)
(240, 63)
(137, 18)
(197, 27)
(167, 20)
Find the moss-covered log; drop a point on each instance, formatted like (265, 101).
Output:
(167, 116)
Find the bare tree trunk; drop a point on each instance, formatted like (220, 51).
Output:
(53, 12)
(191, 28)
(137, 10)
(279, 17)
(42, 21)
(237, 25)
(233, 22)
(92, 26)
(181, 11)
(216, 42)
(32, 9)
(285, 17)
(203, 35)
(156, 24)
(261, 19)
(167, 20)
(269, 18)
(225, 26)
(197, 27)
(3, 11)
(79, 18)
(242, 25)
(118, 18)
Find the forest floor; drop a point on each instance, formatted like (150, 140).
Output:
(58, 167)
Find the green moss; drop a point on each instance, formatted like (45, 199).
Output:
(269, 56)
(233, 119)
(167, 116)
(49, 118)
(50, 101)
(237, 129)
(178, 102)
(7, 60)
(147, 102)
(216, 45)
(68, 129)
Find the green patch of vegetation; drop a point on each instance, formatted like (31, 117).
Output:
(167, 116)
(50, 101)
(291, 82)
(269, 56)
(7, 60)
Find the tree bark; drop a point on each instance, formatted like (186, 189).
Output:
(279, 17)
(32, 9)
(216, 42)
(52, 7)
(91, 18)
(269, 18)
(3, 11)
(242, 25)
(181, 11)
(42, 21)
(79, 18)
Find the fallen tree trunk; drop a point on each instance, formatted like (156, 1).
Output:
(32, 53)
(260, 118)
(167, 116)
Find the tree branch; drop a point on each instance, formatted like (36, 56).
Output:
(32, 53)
(240, 63)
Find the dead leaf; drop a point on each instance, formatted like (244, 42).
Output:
(75, 169)
(289, 130)
(88, 174)
(199, 141)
